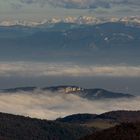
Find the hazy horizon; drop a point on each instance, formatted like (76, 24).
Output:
(40, 9)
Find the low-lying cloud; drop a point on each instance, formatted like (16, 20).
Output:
(47, 105)
(85, 4)
(38, 69)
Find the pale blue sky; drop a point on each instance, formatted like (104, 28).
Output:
(40, 9)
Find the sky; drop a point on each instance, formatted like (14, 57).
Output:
(20, 73)
(40, 9)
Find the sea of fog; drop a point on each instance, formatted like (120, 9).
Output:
(48, 105)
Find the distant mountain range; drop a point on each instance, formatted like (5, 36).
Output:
(76, 20)
(90, 94)
(106, 43)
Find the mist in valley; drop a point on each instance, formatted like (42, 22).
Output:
(50, 105)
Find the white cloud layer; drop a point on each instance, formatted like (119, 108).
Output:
(86, 4)
(38, 69)
(49, 105)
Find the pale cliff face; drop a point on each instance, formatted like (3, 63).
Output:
(70, 89)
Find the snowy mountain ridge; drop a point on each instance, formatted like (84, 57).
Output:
(76, 20)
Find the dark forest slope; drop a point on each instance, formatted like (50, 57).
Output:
(125, 131)
(14, 127)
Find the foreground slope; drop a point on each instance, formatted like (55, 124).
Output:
(102, 121)
(125, 131)
(74, 127)
(14, 127)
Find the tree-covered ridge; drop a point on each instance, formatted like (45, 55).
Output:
(115, 125)
(125, 131)
(115, 116)
(13, 127)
